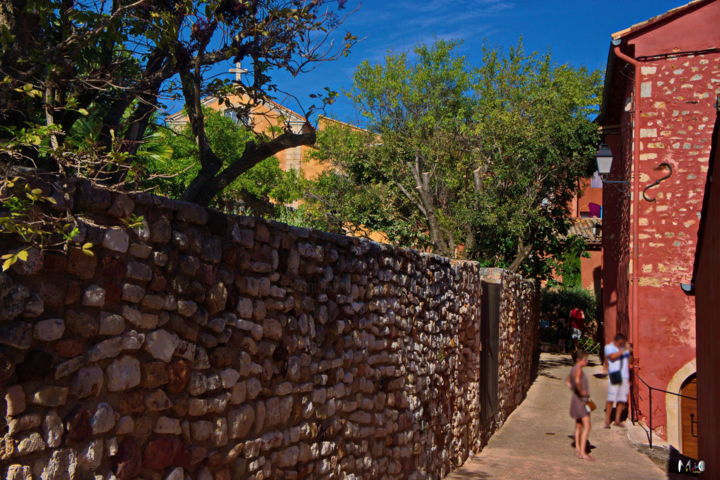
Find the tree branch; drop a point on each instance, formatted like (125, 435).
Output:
(204, 188)
(522, 254)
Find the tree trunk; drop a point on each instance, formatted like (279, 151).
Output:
(422, 184)
(522, 254)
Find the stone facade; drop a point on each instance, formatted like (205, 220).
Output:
(210, 347)
(669, 120)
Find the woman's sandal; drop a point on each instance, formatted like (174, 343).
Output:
(588, 457)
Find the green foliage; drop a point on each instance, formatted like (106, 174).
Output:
(171, 173)
(570, 271)
(473, 162)
(555, 306)
(30, 214)
(82, 81)
(558, 303)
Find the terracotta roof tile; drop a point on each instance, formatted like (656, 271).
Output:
(585, 228)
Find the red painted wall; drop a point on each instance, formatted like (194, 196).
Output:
(616, 230)
(677, 114)
(591, 270)
(707, 288)
(692, 30)
(676, 122)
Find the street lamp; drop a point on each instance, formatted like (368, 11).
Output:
(604, 159)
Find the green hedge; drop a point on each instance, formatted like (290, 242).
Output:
(556, 305)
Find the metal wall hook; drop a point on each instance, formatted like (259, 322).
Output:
(657, 182)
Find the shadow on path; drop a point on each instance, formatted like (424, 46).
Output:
(534, 443)
(550, 365)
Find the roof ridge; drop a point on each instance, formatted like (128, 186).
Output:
(657, 18)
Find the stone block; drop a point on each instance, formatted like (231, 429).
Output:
(88, 382)
(81, 265)
(162, 452)
(243, 236)
(69, 347)
(128, 461)
(240, 422)
(81, 324)
(186, 308)
(161, 344)
(132, 293)
(157, 401)
(29, 443)
(140, 250)
(116, 239)
(16, 334)
(123, 374)
(53, 429)
(153, 302)
(94, 296)
(111, 324)
(18, 472)
(49, 330)
(191, 213)
(168, 426)
(272, 329)
(104, 419)
(220, 432)
(229, 377)
(22, 423)
(90, 457)
(62, 465)
(138, 271)
(50, 396)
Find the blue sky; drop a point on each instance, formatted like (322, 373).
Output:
(577, 32)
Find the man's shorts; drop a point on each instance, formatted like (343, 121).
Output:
(575, 333)
(619, 393)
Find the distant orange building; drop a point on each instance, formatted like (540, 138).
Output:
(262, 118)
(586, 212)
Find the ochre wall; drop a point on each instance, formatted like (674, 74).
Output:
(676, 117)
(207, 346)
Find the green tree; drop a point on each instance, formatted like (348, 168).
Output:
(171, 172)
(115, 62)
(476, 162)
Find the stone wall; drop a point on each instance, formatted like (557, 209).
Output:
(212, 347)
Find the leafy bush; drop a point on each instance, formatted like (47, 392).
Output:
(555, 306)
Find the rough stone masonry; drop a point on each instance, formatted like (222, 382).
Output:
(214, 347)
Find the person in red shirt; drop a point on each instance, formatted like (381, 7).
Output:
(577, 325)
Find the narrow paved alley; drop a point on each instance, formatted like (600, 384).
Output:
(536, 441)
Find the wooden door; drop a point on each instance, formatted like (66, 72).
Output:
(688, 410)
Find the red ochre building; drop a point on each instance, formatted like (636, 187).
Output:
(659, 106)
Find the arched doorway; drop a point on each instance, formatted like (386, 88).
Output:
(689, 417)
(673, 404)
